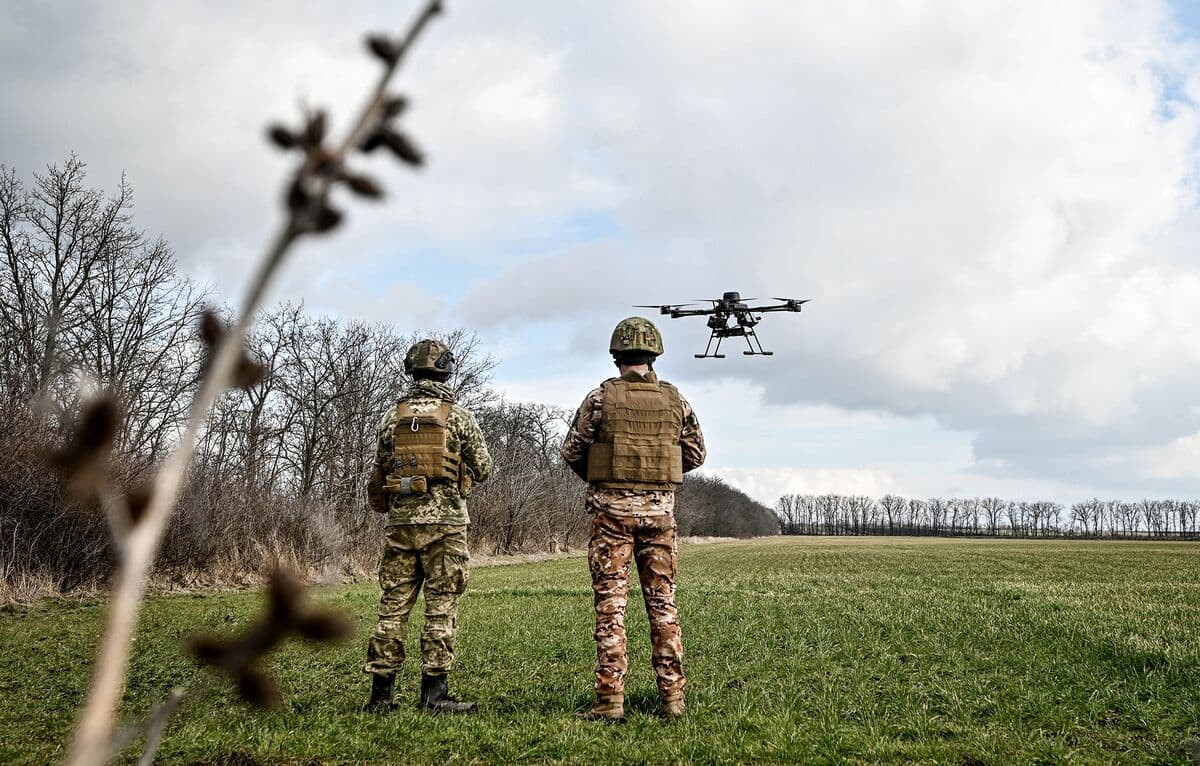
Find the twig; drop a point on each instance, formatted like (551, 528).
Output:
(158, 723)
(308, 212)
(151, 727)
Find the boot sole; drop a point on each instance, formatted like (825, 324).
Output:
(600, 718)
(447, 711)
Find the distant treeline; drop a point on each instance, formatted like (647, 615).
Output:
(88, 300)
(990, 516)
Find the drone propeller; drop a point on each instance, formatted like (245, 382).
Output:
(661, 306)
(669, 309)
(792, 300)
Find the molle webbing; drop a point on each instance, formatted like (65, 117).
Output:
(637, 446)
(419, 444)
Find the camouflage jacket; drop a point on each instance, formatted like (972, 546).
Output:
(627, 502)
(442, 504)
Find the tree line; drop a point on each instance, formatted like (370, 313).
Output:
(87, 300)
(833, 514)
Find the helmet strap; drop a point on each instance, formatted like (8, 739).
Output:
(436, 375)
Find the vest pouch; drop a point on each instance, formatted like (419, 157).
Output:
(407, 485)
(419, 446)
(466, 481)
(650, 463)
(599, 462)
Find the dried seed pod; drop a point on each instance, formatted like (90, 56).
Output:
(364, 186)
(282, 137)
(384, 47)
(324, 163)
(324, 626)
(248, 373)
(403, 148)
(257, 688)
(211, 329)
(288, 613)
(98, 425)
(372, 142)
(82, 459)
(394, 106)
(314, 131)
(137, 501)
(285, 595)
(207, 649)
(297, 194)
(326, 218)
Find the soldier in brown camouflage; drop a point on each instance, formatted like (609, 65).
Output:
(632, 440)
(430, 451)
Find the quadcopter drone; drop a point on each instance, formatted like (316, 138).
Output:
(731, 306)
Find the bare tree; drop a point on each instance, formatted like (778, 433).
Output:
(892, 506)
(938, 509)
(56, 237)
(993, 508)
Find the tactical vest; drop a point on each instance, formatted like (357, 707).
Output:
(637, 443)
(419, 452)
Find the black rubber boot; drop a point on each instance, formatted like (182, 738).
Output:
(435, 697)
(383, 688)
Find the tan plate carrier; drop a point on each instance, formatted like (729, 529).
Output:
(637, 446)
(420, 455)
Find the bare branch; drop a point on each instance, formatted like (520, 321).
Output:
(314, 180)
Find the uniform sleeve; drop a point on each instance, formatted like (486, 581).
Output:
(474, 448)
(691, 439)
(582, 432)
(376, 498)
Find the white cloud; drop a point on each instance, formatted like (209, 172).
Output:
(993, 204)
(978, 198)
(767, 484)
(1178, 460)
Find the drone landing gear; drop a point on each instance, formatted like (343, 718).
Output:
(716, 352)
(752, 341)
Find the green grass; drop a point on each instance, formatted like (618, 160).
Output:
(802, 650)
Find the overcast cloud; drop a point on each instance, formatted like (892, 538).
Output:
(993, 206)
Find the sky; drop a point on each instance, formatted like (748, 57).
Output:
(993, 207)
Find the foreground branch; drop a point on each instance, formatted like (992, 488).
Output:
(308, 212)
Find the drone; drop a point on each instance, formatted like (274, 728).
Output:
(730, 306)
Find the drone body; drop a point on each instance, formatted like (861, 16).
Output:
(730, 307)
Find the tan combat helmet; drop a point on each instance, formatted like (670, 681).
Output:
(635, 336)
(429, 359)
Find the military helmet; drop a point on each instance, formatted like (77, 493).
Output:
(635, 335)
(429, 358)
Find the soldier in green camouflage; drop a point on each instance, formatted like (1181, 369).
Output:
(430, 451)
(632, 440)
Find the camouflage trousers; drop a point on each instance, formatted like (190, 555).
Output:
(650, 543)
(433, 556)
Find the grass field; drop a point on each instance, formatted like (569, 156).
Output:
(809, 650)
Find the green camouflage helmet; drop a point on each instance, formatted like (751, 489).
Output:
(430, 357)
(636, 334)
